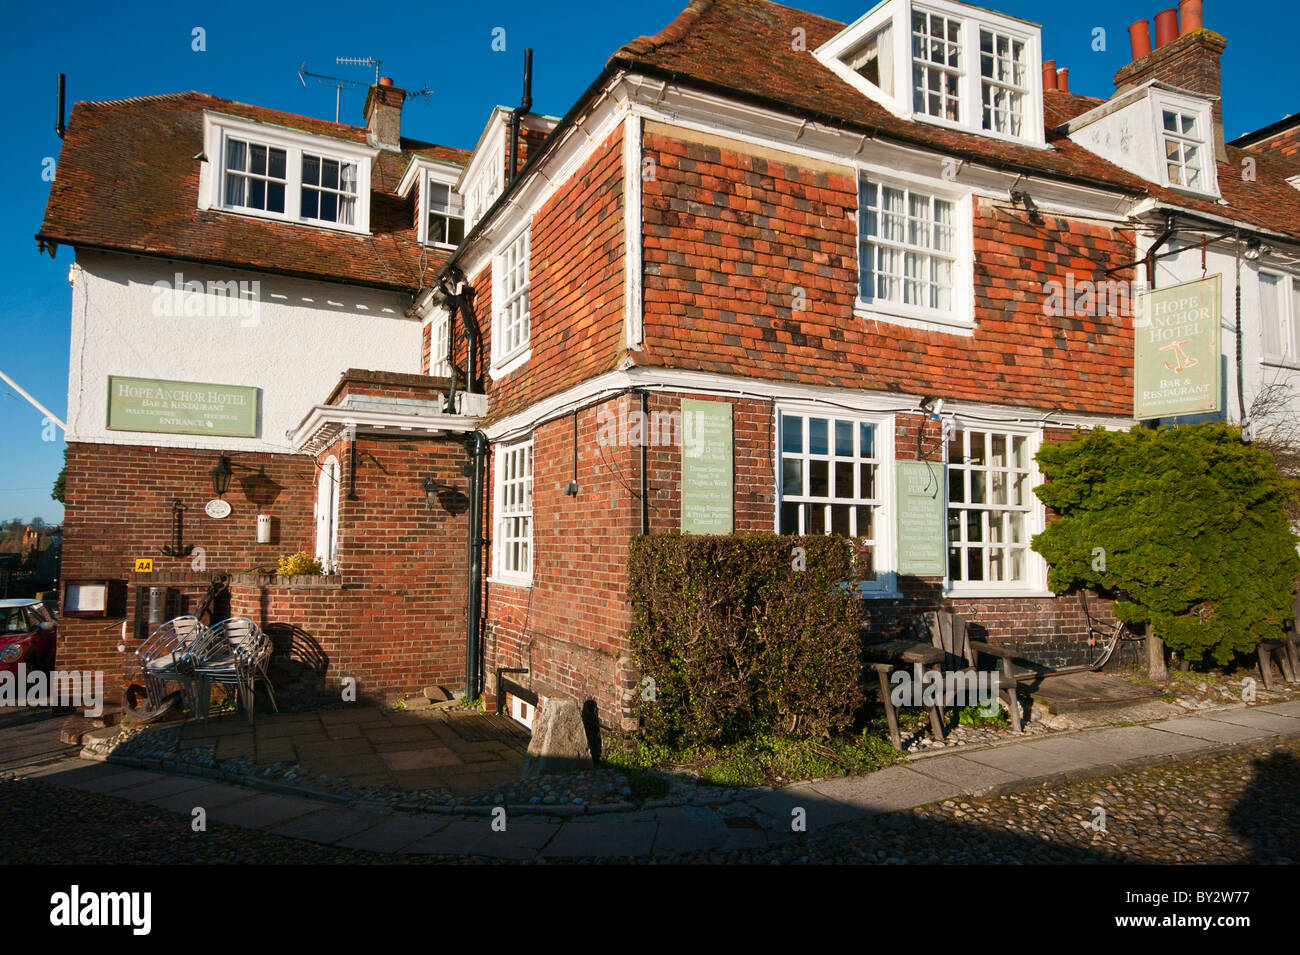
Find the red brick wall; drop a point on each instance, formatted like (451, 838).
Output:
(576, 293)
(570, 627)
(729, 236)
(395, 618)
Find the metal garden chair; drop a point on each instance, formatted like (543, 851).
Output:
(235, 653)
(168, 656)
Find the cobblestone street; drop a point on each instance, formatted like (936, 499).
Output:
(1235, 807)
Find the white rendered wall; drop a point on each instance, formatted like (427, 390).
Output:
(1185, 266)
(293, 345)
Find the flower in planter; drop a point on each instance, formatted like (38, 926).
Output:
(300, 564)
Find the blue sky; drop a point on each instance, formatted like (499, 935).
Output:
(112, 51)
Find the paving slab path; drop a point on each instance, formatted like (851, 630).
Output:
(753, 819)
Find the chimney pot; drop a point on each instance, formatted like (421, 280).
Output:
(1190, 15)
(383, 113)
(1049, 74)
(1139, 37)
(1166, 26)
(1063, 79)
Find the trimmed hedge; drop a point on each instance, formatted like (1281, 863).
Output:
(739, 642)
(1190, 521)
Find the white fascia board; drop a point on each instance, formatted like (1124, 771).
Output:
(743, 122)
(496, 120)
(848, 399)
(448, 172)
(277, 133)
(325, 422)
(580, 141)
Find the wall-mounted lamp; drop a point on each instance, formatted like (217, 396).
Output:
(432, 489)
(221, 476)
(264, 528)
(932, 406)
(1022, 198)
(1254, 249)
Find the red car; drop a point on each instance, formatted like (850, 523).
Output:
(28, 634)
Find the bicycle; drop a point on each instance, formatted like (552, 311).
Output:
(1112, 637)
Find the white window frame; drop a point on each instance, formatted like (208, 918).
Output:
(328, 479)
(960, 318)
(340, 193)
(833, 54)
(457, 203)
(1009, 87)
(952, 40)
(485, 177)
(884, 544)
(512, 255)
(505, 460)
(1161, 101)
(219, 128)
(1288, 315)
(1035, 578)
(439, 330)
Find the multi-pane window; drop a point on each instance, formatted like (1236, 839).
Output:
(1279, 310)
(936, 65)
(1183, 149)
(329, 189)
(905, 247)
(990, 503)
(439, 366)
(1004, 82)
(255, 176)
(873, 59)
(512, 311)
(513, 542)
(446, 215)
(830, 481)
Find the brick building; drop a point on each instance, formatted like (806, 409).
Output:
(769, 272)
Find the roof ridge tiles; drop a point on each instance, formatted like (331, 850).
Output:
(674, 32)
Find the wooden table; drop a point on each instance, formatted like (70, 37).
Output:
(884, 658)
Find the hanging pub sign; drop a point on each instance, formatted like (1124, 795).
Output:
(706, 467)
(1176, 350)
(181, 407)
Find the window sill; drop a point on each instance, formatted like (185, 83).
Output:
(509, 364)
(287, 220)
(918, 320)
(511, 580)
(974, 593)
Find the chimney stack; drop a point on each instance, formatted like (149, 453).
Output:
(1188, 60)
(1063, 79)
(1049, 74)
(383, 112)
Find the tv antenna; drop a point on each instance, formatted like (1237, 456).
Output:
(359, 61)
(337, 82)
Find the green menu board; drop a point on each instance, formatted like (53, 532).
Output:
(1176, 350)
(920, 508)
(706, 467)
(181, 407)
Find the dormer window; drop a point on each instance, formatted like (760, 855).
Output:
(329, 189)
(948, 63)
(255, 176)
(1004, 82)
(277, 173)
(1183, 149)
(936, 65)
(445, 214)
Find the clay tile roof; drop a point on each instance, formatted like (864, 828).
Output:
(743, 48)
(128, 180)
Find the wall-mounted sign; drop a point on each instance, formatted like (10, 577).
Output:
(706, 467)
(144, 565)
(217, 509)
(918, 493)
(1176, 353)
(181, 407)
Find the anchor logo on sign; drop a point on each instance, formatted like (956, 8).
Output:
(1184, 360)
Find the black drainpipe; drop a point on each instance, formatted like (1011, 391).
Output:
(525, 104)
(645, 439)
(477, 446)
